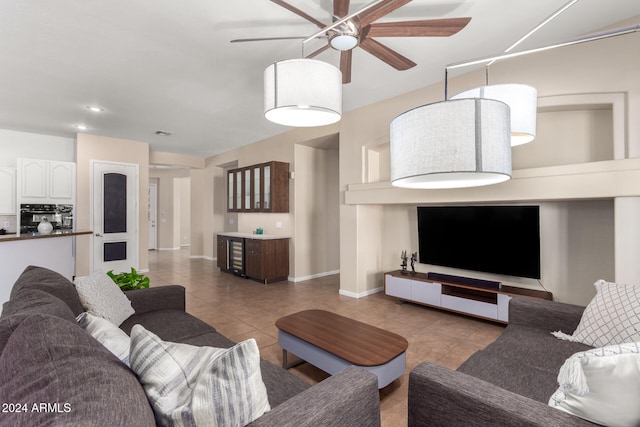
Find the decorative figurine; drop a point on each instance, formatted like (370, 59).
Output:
(414, 258)
(403, 257)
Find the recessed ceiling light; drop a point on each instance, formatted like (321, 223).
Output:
(81, 127)
(95, 109)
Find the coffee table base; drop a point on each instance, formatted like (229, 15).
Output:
(331, 364)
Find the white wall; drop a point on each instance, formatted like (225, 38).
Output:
(15, 144)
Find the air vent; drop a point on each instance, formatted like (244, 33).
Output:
(163, 133)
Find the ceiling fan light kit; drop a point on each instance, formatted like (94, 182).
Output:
(523, 102)
(451, 144)
(302, 93)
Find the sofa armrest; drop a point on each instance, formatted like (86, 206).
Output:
(544, 314)
(441, 397)
(346, 399)
(171, 297)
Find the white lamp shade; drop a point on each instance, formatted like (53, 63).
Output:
(302, 93)
(451, 144)
(523, 102)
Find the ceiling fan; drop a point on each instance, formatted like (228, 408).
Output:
(359, 28)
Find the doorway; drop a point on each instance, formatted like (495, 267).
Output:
(114, 216)
(153, 216)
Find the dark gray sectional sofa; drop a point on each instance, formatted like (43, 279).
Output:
(54, 373)
(509, 383)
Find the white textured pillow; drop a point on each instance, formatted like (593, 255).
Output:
(108, 334)
(199, 386)
(103, 298)
(612, 316)
(601, 385)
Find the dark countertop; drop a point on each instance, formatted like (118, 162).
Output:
(34, 236)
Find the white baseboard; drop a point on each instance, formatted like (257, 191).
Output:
(185, 245)
(168, 249)
(360, 294)
(143, 270)
(313, 276)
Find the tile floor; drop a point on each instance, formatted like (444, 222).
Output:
(241, 309)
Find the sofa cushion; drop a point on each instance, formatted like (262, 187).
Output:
(103, 298)
(601, 385)
(106, 333)
(26, 302)
(612, 316)
(169, 325)
(52, 361)
(523, 360)
(51, 282)
(189, 385)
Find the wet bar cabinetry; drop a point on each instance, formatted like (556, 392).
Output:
(260, 257)
(259, 188)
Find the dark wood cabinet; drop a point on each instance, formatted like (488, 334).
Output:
(264, 260)
(267, 260)
(259, 188)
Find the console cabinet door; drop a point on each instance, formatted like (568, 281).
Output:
(398, 287)
(426, 293)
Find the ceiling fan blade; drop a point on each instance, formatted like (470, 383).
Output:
(318, 51)
(340, 8)
(299, 12)
(424, 28)
(381, 10)
(268, 39)
(345, 65)
(386, 54)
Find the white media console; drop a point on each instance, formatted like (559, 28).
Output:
(478, 301)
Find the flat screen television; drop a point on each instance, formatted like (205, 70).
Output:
(493, 239)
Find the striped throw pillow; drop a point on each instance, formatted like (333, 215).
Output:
(199, 386)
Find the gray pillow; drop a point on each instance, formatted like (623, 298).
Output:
(50, 360)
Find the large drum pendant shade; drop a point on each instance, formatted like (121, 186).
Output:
(302, 93)
(451, 144)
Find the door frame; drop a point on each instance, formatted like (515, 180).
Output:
(136, 225)
(153, 207)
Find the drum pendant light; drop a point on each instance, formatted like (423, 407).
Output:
(302, 93)
(523, 102)
(451, 144)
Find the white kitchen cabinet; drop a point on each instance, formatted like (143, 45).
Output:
(7, 191)
(46, 181)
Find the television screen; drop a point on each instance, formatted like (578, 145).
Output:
(493, 239)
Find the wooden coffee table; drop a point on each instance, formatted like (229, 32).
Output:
(332, 342)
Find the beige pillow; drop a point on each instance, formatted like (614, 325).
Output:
(109, 335)
(103, 298)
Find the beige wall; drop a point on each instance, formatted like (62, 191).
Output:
(317, 242)
(170, 201)
(91, 147)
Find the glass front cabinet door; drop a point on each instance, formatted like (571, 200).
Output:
(259, 188)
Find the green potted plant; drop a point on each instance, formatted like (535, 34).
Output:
(129, 281)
